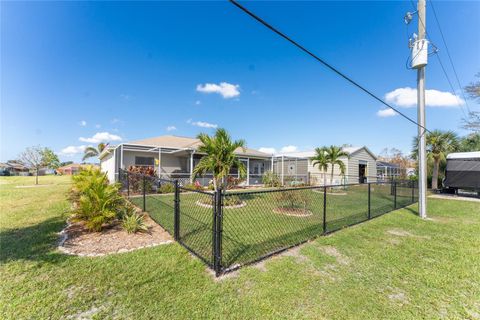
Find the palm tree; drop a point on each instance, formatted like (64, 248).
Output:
(219, 157)
(438, 144)
(91, 152)
(333, 155)
(320, 160)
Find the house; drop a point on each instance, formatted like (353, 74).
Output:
(174, 157)
(69, 169)
(389, 171)
(296, 166)
(14, 168)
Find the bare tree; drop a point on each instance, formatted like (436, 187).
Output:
(32, 158)
(472, 122)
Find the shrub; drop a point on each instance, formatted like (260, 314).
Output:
(193, 186)
(270, 179)
(135, 178)
(292, 199)
(133, 223)
(96, 202)
(166, 188)
(228, 201)
(233, 182)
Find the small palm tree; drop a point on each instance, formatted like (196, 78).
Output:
(91, 152)
(438, 144)
(321, 161)
(219, 157)
(333, 155)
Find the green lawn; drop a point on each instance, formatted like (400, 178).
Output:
(257, 228)
(396, 266)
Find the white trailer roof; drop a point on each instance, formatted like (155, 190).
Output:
(464, 155)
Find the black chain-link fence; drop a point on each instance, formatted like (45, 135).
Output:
(230, 229)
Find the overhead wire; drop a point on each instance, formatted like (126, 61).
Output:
(322, 61)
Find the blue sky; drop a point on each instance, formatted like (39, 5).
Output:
(73, 74)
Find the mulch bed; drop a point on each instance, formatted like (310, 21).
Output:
(77, 240)
(294, 212)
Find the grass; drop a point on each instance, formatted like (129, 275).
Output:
(257, 228)
(393, 267)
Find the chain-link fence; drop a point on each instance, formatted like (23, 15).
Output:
(230, 229)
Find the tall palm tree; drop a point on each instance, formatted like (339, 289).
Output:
(438, 144)
(91, 152)
(219, 157)
(333, 154)
(321, 161)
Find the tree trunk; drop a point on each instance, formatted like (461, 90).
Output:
(325, 177)
(331, 176)
(36, 176)
(436, 163)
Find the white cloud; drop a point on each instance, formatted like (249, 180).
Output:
(227, 90)
(289, 149)
(83, 123)
(202, 124)
(171, 128)
(101, 137)
(407, 97)
(72, 150)
(384, 113)
(267, 150)
(198, 102)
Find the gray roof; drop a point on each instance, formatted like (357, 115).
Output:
(170, 141)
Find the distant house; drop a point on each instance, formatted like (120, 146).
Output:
(71, 169)
(13, 168)
(297, 166)
(174, 157)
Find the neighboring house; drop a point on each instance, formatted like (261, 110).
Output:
(69, 169)
(174, 157)
(388, 171)
(297, 166)
(14, 168)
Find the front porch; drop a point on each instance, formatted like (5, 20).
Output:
(178, 164)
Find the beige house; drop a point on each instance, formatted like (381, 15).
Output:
(174, 157)
(296, 166)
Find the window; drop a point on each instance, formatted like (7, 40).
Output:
(144, 161)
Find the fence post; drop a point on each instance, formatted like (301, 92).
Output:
(176, 221)
(394, 194)
(217, 245)
(413, 191)
(369, 205)
(144, 194)
(324, 209)
(128, 184)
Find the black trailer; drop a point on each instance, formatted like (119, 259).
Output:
(463, 172)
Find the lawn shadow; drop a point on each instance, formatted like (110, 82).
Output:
(35, 243)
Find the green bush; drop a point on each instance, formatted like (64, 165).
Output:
(270, 179)
(95, 201)
(133, 223)
(166, 188)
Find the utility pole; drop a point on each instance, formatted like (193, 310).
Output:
(422, 158)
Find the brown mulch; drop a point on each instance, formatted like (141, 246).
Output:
(295, 212)
(77, 240)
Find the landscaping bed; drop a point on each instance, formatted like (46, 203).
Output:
(76, 239)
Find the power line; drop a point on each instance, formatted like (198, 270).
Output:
(448, 54)
(329, 66)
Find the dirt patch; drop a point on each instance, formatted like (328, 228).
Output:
(404, 233)
(398, 297)
(454, 197)
(77, 240)
(333, 252)
(33, 186)
(294, 212)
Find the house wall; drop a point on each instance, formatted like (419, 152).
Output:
(169, 163)
(317, 175)
(355, 160)
(107, 164)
